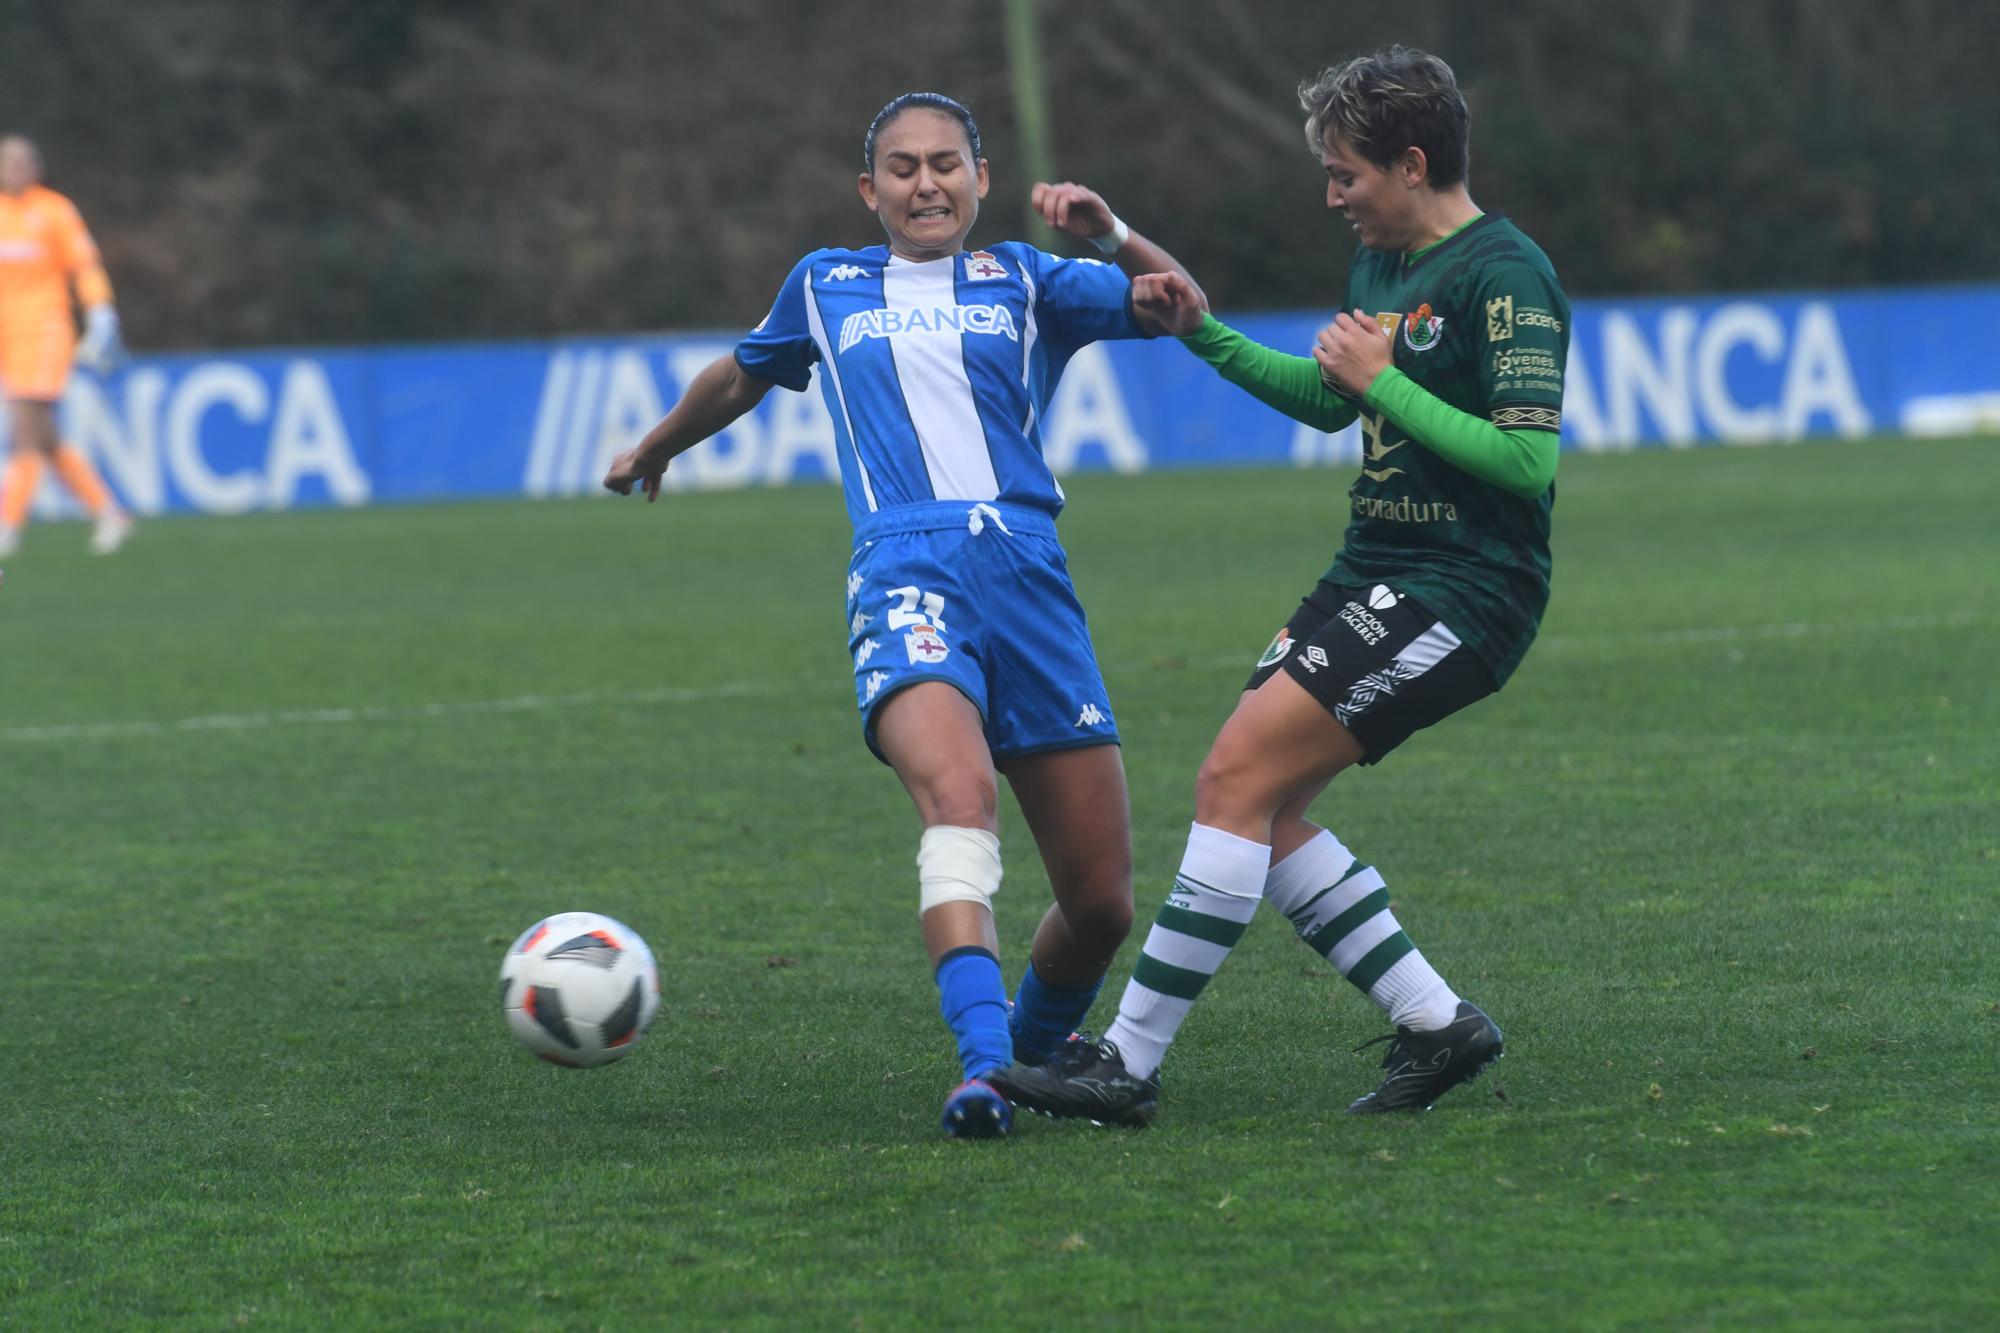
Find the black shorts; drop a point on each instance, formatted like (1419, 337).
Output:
(1380, 663)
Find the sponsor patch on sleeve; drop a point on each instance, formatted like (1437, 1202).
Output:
(1528, 418)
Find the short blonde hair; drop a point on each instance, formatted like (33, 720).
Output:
(1397, 98)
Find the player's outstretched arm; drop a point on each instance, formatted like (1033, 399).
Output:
(721, 393)
(1291, 384)
(1079, 211)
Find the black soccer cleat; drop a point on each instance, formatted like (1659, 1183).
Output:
(1423, 1066)
(1085, 1081)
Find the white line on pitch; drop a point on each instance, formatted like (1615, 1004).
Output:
(542, 703)
(1714, 634)
(302, 717)
(1794, 630)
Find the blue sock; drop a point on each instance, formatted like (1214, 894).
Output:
(1045, 1015)
(973, 1001)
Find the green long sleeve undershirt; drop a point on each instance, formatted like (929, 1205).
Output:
(1522, 462)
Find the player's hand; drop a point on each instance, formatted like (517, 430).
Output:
(103, 346)
(1169, 302)
(1351, 352)
(1075, 210)
(629, 470)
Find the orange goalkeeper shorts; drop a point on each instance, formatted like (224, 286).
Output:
(35, 355)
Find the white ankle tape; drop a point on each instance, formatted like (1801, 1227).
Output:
(957, 865)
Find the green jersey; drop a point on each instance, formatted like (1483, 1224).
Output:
(1479, 322)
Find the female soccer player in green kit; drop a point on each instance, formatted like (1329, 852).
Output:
(1452, 360)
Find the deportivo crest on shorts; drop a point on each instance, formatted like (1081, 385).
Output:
(980, 264)
(926, 646)
(1279, 647)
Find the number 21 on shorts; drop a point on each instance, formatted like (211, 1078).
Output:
(905, 612)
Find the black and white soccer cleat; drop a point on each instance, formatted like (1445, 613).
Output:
(1087, 1080)
(1423, 1066)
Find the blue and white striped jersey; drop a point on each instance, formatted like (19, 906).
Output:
(936, 373)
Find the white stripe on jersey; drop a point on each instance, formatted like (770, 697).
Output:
(1028, 354)
(931, 365)
(816, 326)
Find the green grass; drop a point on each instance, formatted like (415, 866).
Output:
(1722, 860)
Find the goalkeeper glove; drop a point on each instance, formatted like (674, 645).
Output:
(103, 347)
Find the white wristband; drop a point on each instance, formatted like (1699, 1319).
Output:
(1110, 241)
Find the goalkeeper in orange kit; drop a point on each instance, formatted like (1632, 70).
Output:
(44, 249)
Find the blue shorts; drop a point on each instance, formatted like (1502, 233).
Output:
(977, 596)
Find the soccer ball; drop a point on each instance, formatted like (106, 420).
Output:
(579, 989)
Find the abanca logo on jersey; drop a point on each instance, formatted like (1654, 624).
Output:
(994, 319)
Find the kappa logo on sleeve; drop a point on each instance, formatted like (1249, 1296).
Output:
(843, 272)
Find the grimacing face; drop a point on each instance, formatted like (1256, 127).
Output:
(20, 164)
(925, 187)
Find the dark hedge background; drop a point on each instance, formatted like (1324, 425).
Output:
(341, 170)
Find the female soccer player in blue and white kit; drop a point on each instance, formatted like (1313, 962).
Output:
(970, 651)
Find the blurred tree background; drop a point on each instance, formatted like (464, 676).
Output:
(309, 171)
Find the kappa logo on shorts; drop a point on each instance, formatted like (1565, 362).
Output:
(854, 582)
(926, 646)
(876, 679)
(859, 623)
(1279, 647)
(866, 651)
(1314, 658)
(1091, 716)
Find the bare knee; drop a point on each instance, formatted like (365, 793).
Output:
(1097, 907)
(1229, 791)
(958, 798)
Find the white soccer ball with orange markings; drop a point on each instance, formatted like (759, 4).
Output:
(579, 989)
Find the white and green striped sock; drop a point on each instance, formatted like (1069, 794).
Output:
(1341, 908)
(1214, 896)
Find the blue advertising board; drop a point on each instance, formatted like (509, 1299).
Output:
(227, 433)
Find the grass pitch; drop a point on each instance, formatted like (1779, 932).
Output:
(275, 792)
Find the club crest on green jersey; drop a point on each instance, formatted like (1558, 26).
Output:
(1422, 329)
